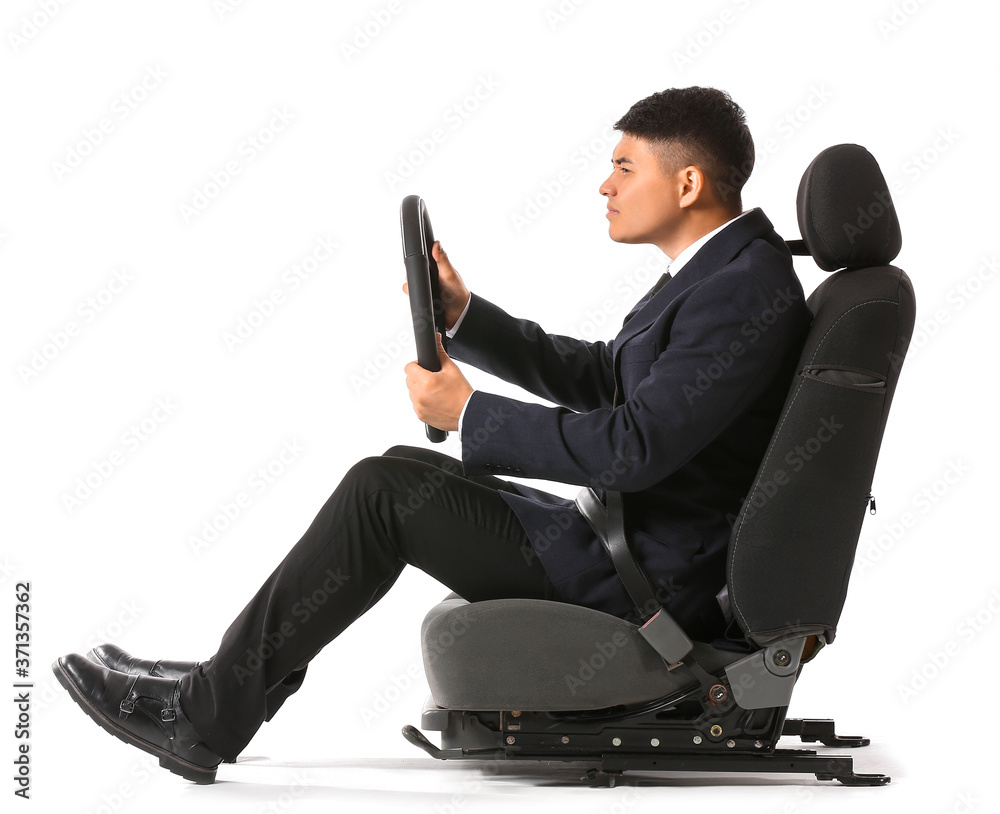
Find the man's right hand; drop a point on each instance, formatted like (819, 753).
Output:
(454, 294)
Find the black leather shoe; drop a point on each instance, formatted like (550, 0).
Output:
(142, 710)
(114, 658)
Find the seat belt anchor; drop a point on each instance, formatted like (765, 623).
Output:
(666, 637)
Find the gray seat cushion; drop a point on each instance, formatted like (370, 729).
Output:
(531, 654)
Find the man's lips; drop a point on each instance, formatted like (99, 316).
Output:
(611, 212)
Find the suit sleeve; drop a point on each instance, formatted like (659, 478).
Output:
(560, 369)
(715, 360)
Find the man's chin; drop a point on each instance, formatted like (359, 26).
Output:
(623, 238)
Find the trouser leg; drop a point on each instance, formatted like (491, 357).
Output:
(387, 512)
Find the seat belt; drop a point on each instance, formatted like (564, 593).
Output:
(659, 629)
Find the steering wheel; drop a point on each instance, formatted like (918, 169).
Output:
(426, 307)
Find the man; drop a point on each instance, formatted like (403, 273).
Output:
(675, 413)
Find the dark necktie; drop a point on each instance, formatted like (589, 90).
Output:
(659, 284)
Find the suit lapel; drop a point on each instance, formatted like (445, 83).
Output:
(715, 254)
(664, 278)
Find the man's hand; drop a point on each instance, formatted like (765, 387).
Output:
(454, 293)
(438, 397)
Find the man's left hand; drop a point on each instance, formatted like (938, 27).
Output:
(438, 397)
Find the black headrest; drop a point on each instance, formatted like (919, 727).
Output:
(845, 212)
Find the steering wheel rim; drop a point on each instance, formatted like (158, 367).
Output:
(426, 307)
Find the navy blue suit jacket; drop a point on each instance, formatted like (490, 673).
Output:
(701, 369)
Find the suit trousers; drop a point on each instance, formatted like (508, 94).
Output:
(409, 506)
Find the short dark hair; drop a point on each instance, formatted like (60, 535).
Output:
(699, 126)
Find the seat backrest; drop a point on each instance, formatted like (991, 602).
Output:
(794, 539)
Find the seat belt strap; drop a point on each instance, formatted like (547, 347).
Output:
(659, 629)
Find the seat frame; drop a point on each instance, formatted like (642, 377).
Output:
(700, 729)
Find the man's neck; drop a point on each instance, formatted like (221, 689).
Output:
(699, 225)
(678, 261)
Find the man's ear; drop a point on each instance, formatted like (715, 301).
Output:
(691, 185)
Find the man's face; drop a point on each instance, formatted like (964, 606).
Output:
(643, 202)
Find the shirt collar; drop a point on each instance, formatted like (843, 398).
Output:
(690, 251)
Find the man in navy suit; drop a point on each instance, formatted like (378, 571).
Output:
(675, 413)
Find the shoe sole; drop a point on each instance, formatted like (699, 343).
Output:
(169, 761)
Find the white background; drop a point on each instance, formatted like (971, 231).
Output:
(913, 82)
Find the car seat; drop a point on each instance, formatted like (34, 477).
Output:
(524, 679)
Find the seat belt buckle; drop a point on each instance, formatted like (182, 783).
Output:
(666, 637)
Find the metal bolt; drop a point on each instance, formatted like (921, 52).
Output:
(510, 740)
(696, 739)
(782, 658)
(654, 742)
(758, 744)
(715, 731)
(516, 713)
(718, 693)
(730, 743)
(565, 739)
(616, 741)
